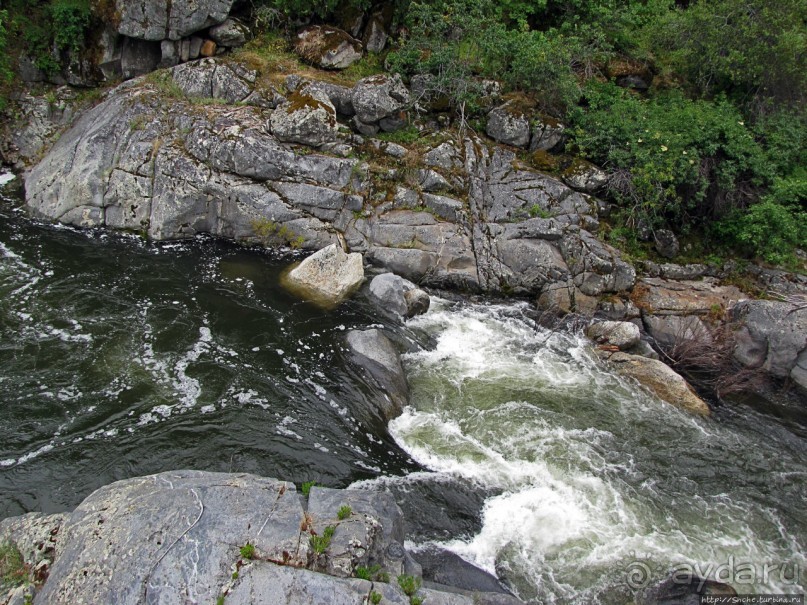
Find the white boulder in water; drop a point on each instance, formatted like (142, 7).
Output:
(328, 276)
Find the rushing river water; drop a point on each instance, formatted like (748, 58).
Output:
(120, 358)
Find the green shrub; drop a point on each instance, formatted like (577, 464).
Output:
(670, 157)
(375, 597)
(71, 19)
(409, 584)
(306, 487)
(768, 230)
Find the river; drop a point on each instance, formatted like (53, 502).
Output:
(519, 451)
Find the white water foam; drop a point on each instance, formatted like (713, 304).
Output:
(568, 519)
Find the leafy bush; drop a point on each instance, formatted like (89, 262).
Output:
(751, 49)
(768, 230)
(71, 18)
(670, 157)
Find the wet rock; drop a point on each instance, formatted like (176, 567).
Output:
(327, 47)
(442, 566)
(378, 97)
(683, 591)
(564, 297)
(585, 176)
(392, 293)
(373, 351)
(666, 243)
(661, 380)
(306, 117)
(231, 34)
(162, 19)
(772, 335)
(508, 125)
(328, 276)
(620, 334)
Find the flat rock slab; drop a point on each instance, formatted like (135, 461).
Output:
(171, 538)
(664, 297)
(327, 277)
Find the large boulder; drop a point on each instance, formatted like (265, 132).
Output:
(772, 335)
(620, 334)
(328, 276)
(164, 19)
(546, 134)
(230, 34)
(327, 47)
(378, 97)
(584, 176)
(671, 330)
(656, 296)
(398, 296)
(661, 380)
(306, 117)
(508, 125)
(373, 351)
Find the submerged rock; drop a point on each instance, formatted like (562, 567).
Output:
(683, 590)
(327, 276)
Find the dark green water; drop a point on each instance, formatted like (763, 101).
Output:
(121, 358)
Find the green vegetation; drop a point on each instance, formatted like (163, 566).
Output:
(13, 570)
(272, 234)
(409, 584)
(319, 544)
(247, 551)
(305, 488)
(375, 597)
(372, 573)
(694, 108)
(344, 512)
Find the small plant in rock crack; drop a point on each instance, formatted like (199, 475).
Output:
(415, 600)
(373, 573)
(248, 551)
(320, 544)
(409, 584)
(375, 597)
(305, 488)
(344, 512)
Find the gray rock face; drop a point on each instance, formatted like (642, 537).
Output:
(378, 97)
(307, 117)
(327, 47)
(231, 34)
(666, 243)
(509, 126)
(585, 176)
(163, 19)
(772, 335)
(176, 537)
(158, 538)
(328, 275)
(620, 334)
(471, 218)
(396, 295)
(669, 330)
(374, 352)
(546, 134)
